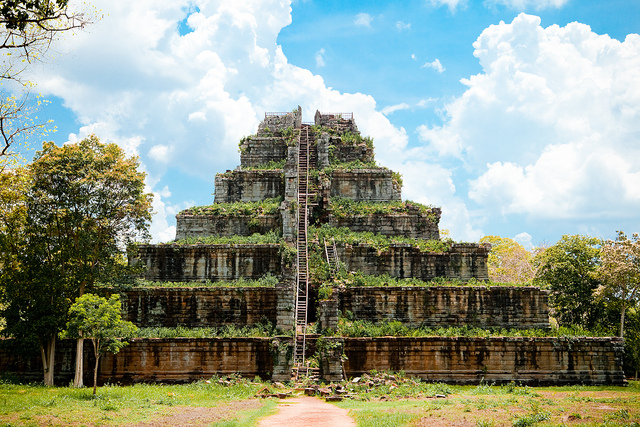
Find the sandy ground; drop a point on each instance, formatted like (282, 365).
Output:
(308, 412)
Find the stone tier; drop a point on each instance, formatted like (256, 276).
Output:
(256, 150)
(462, 360)
(371, 185)
(412, 224)
(249, 185)
(186, 263)
(199, 307)
(529, 361)
(463, 261)
(188, 225)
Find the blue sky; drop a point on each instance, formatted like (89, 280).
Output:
(520, 118)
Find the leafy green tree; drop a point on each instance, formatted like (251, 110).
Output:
(84, 205)
(619, 271)
(509, 261)
(100, 320)
(569, 268)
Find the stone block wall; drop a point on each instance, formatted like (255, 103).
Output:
(275, 122)
(496, 306)
(178, 360)
(374, 185)
(216, 225)
(463, 261)
(199, 307)
(350, 153)
(186, 263)
(341, 122)
(256, 151)
(249, 185)
(530, 361)
(412, 225)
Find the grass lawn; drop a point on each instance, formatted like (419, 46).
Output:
(399, 403)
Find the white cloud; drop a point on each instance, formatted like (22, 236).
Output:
(401, 26)
(413, 56)
(363, 20)
(435, 65)
(451, 4)
(550, 127)
(524, 239)
(320, 58)
(390, 109)
(526, 4)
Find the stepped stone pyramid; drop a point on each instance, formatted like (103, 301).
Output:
(315, 210)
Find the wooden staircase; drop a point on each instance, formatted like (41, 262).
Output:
(331, 253)
(302, 283)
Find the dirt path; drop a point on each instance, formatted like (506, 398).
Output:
(308, 412)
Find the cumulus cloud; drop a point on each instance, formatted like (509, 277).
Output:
(363, 20)
(451, 4)
(550, 126)
(390, 109)
(320, 58)
(434, 65)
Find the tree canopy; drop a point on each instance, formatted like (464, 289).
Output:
(83, 204)
(509, 261)
(100, 320)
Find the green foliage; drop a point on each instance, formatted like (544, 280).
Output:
(272, 237)
(345, 208)
(356, 278)
(350, 166)
(381, 243)
(83, 204)
(568, 269)
(99, 320)
(263, 329)
(531, 419)
(509, 261)
(264, 207)
(266, 281)
(363, 328)
(271, 165)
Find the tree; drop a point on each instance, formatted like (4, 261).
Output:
(620, 272)
(27, 30)
(568, 268)
(84, 206)
(509, 261)
(100, 320)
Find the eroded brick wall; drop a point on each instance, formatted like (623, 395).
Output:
(216, 225)
(199, 307)
(412, 225)
(532, 361)
(256, 151)
(462, 261)
(496, 306)
(187, 263)
(249, 186)
(375, 185)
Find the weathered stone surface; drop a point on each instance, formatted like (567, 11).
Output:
(341, 122)
(496, 306)
(375, 185)
(328, 313)
(256, 151)
(463, 261)
(411, 224)
(531, 361)
(275, 122)
(199, 307)
(215, 225)
(185, 263)
(249, 185)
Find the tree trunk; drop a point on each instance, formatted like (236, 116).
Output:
(77, 379)
(624, 308)
(96, 347)
(48, 351)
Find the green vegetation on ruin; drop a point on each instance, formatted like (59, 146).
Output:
(254, 209)
(345, 208)
(260, 330)
(272, 237)
(343, 235)
(270, 165)
(266, 281)
(363, 328)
